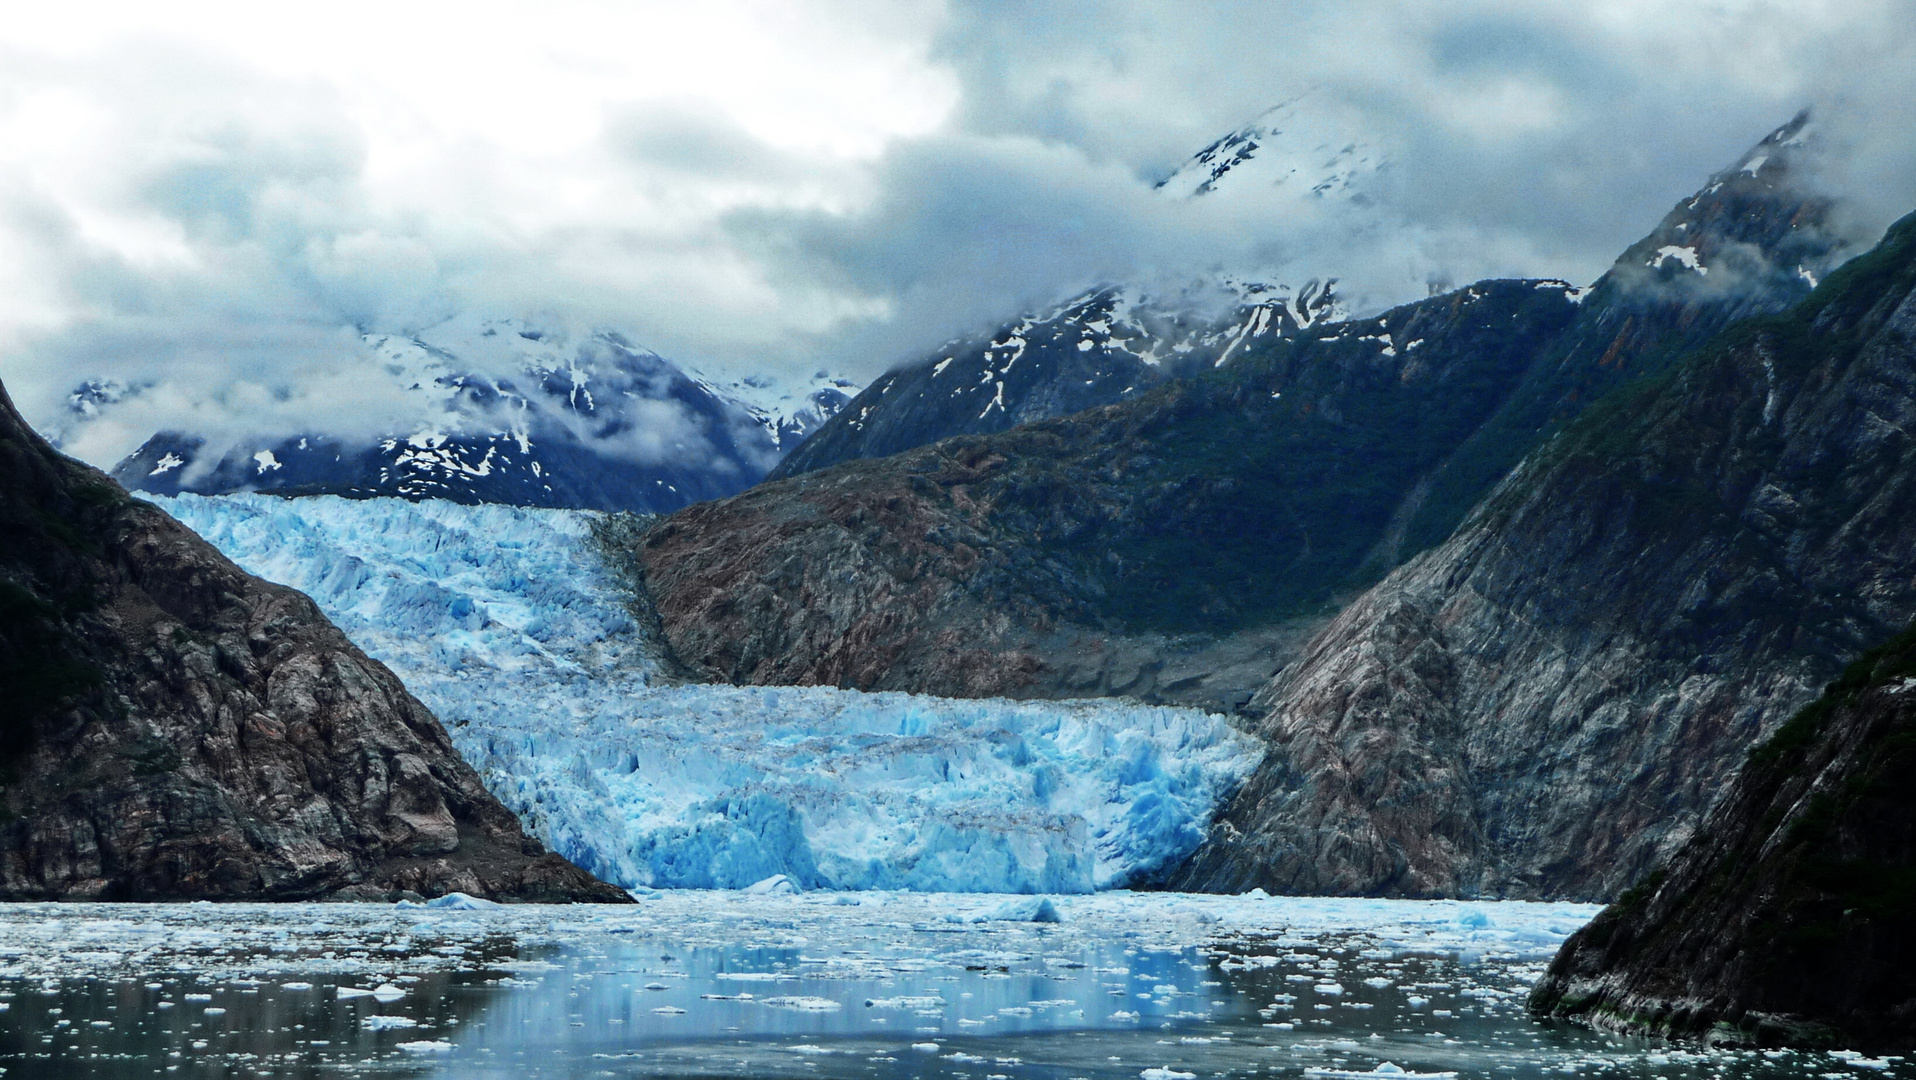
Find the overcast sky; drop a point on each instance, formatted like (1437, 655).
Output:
(212, 200)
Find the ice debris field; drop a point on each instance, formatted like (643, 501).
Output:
(872, 984)
(507, 624)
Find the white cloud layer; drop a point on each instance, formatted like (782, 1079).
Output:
(214, 199)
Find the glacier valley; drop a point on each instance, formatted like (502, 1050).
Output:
(506, 623)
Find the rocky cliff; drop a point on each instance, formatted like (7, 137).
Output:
(1547, 703)
(1788, 918)
(176, 728)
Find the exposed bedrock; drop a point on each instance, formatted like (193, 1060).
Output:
(1547, 703)
(1787, 919)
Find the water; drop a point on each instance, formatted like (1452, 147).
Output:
(817, 985)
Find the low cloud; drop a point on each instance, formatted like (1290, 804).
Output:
(214, 212)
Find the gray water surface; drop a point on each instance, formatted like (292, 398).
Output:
(865, 985)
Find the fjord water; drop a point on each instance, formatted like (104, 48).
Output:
(813, 985)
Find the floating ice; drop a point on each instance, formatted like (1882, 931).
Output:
(776, 884)
(801, 1004)
(458, 901)
(905, 1003)
(384, 1023)
(1038, 909)
(1384, 1070)
(1167, 1074)
(503, 621)
(426, 1046)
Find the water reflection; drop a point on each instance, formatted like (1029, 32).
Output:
(718, 985)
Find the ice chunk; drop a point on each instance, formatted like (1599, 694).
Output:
(1172, 1074)
(777, 884)
(1384, 1070)
(905, 1003)
(801, 1004)
(458, 901)
(426, 1046)
(385, 992)
(1020, 909)
(384, 1023)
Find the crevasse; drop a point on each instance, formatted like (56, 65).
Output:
(504, 621)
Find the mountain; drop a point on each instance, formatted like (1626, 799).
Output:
(176, 728)
(1749, 241)
(1303, 536)
(1105, 346)
(1170, 547)
(1194, 534)
(1294, 146)
(1548, 703)
(509, 412)
(1786, 919)
(1116, 341)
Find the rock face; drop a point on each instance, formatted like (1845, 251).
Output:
(1547, 703)
(1787, 918)
(176, 728)
(1174, 548)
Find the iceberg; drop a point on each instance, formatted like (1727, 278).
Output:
(506, 622)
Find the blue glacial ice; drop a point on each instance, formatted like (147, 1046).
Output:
(504, 621)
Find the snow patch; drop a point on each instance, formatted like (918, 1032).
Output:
(1684, 256)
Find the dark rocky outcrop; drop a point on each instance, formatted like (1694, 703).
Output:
(172, 727)
(1791, 917)
(1547, 703)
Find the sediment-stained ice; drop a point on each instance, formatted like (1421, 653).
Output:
(505, 622)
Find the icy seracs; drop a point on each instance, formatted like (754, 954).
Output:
(504, 621)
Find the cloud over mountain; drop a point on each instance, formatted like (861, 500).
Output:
(216, 207)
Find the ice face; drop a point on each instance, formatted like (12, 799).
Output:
(505, 622)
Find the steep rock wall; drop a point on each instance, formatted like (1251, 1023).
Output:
(1547, 704)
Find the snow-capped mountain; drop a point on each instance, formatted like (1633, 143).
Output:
(1750, 230)
(511, 412)
(1294, 147)
(1117, 340)
(1103, 346)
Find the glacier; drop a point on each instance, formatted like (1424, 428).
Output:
(506, 623)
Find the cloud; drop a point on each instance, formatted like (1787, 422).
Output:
(213, 204)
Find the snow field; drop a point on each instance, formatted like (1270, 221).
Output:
(504, 621)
